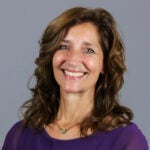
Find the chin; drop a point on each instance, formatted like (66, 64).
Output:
(72, 90)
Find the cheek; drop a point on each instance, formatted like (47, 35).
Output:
(95, 65)
(57, 59)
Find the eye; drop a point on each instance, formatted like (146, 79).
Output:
(90, 50)
(63, 47)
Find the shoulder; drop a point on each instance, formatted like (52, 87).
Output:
(20, 137)
(13, 135)
(131, 137)
(17, 126)
(133, 130)
(15, 129)
(128, 137)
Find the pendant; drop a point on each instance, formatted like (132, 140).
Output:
(63, 131)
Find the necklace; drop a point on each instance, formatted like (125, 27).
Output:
(64, 130)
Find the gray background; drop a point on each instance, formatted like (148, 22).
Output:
(21, 25)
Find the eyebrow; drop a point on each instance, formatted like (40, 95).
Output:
(65, 41)
(68, 41)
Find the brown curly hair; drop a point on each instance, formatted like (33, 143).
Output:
(107, 113)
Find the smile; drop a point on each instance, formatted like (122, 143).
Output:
(73, 74)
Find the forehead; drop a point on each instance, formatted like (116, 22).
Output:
(85, 31)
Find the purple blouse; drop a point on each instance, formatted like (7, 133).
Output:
(121, 138)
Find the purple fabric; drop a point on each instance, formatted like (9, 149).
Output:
(122, 138)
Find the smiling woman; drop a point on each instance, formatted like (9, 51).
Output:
(75, 102)
(78, 66)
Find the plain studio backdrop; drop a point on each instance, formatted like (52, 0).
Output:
(22, 23)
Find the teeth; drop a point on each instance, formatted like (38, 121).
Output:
(74, 74)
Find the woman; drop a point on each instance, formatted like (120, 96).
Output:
(75, 102)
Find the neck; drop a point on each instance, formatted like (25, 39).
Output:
(74, 107)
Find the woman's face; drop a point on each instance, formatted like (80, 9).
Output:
(79, 59)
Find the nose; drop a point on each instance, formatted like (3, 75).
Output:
(75, 60)
(74, 57)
